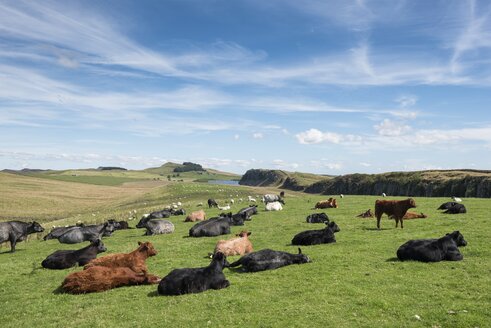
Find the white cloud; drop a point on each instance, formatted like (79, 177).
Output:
(365, 164)
(257, 135)
(236, 137)
(406, 101)
(391, 128)
(279, 163)
(314, 136)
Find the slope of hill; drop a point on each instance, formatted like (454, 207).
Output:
(444, 183)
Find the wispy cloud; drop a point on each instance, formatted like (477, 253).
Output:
(391, 128)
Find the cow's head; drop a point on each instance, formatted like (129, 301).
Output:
(147, 247)
(411, 203)
(458, 238)
(36, 227)
(221, 259)
(243, 233)
(301, 258)
(332, 226)
(100, 245)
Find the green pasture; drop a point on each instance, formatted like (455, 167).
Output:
(356, 282)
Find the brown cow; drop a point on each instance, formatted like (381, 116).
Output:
(395, 208)
(134, 260)
(413, 215)
(367, 214)
(330, 203)
(99, 278)
(196, 216)
(235, 246)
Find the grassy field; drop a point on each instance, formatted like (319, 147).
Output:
(355, 282)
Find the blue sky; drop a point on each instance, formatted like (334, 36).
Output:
(329, 87)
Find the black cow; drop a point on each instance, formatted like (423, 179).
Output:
(249, 211)
(433, 250)
(165, 213)
(195, 280)
(212, 203)
(314, 237)
(447, 205)
(456, 209)
(64, 259)
(87, 233)
(15, 231)
(317, 218)
(216, 226)
(180, 211)
(268, 259)
(55, 233)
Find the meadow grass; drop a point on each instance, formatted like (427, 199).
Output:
(355, 282)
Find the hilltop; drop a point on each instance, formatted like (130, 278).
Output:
(430, 183)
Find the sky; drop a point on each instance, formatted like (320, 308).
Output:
(329, 87)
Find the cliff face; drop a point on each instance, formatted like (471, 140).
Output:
(463, 183)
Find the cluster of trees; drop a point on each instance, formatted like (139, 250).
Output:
(188, 166)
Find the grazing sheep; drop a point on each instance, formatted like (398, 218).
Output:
(456, 199)
(235, 246)
(384, 195)
(134, 260)
(224, 208)
(196, 216)
(341, 196)
(195, 280)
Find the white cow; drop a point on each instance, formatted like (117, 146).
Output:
(274, 206)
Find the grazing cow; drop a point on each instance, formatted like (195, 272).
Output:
(367, 214)
(235, 246)
(456, 209)
(134, 260)
(212, 203)
(456, 199)
(314, 237)
(413, 215)
(317, 218)
(268, 259)
(249, 211)
(395, 208)
(447, 205)
(88, 233)
(155, 227)
(66, 259)
(274, 206)
(15, 231)
(195, 280)
(433, 250)
(99, 278)
(270, 198)
(196, 216)
(330, 203)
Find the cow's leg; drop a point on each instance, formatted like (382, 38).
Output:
(13, 241)
(402, 220)
(378, 220)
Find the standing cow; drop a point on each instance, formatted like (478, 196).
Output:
(394, 208)
(15, 231)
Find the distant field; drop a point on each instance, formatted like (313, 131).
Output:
(353, 283)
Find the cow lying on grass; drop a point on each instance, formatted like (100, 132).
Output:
(317, 218)
(195, 280)
(456, 209)
(196, 216)
(67, 258)
(365, 215)
(134, 260)
(99, 278)
(155, 227)
(217, 226)
(235, 246)
(15, 231)
(413, 215)
(330, 203)
(433, 250)
(314, 237)
(395, 208)
(268, 259)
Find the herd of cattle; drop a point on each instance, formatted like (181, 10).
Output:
(122, 269)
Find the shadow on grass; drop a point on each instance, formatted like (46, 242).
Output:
(58, 291)
(374, 229)
(9, 252)
(392, 259)
(153, 294)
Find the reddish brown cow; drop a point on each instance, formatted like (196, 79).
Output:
(395, 208)
(413, 215)
(134, 260)
(367, 214)
(235, 246)
(99, 278)
(330, 203)
(196, 216)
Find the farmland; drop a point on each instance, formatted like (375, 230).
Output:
(354, 282)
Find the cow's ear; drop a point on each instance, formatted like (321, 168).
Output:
(139, 243)
(249, 233)
(299, 250)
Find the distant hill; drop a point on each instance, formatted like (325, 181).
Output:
(173, 168)
(109, 168)
(434, 183)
